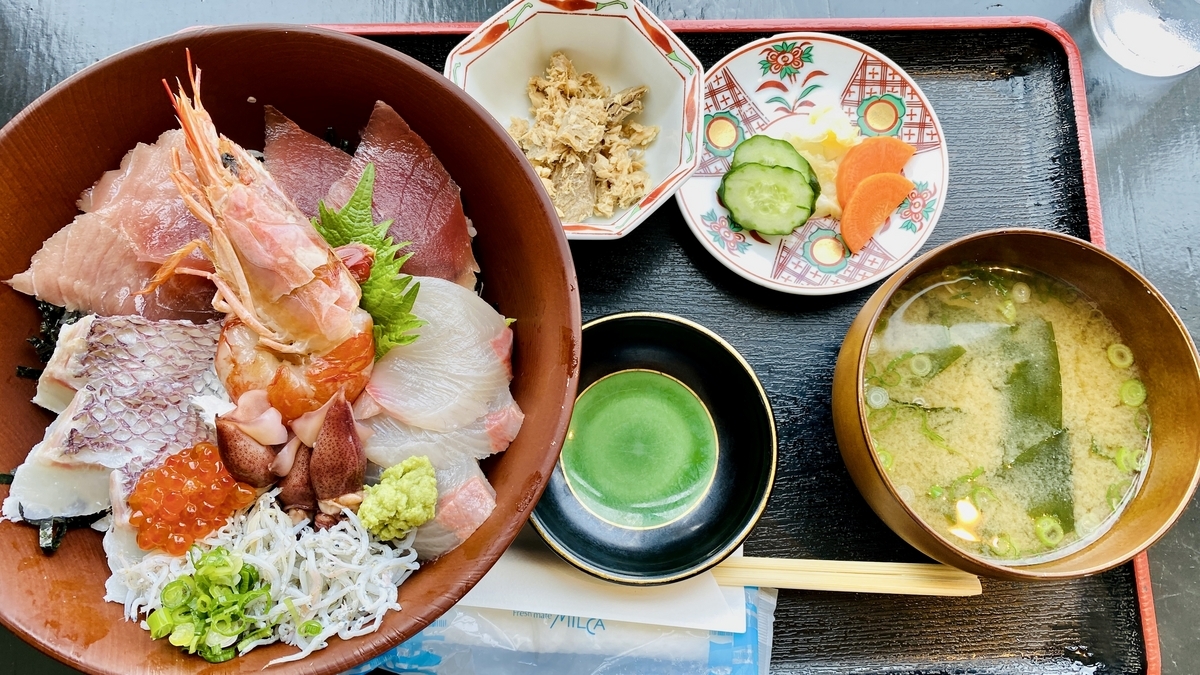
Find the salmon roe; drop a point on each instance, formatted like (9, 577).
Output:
(187, 498)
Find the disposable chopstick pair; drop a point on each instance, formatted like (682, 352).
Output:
(847, 576)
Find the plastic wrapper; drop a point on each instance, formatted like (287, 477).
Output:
(472, 641)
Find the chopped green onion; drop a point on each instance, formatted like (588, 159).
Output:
(983, 497)
(218, 655)
(1119, 355)
(936, 491)
(1002, 546)
(1142, 420)
(1133, 393)
(1021, 292)
(920, 365)
(878, 420)
(160, 624)
(1116, 493)
(873, 346)
(1048, 530)
(1129, 461)
(182, 635)
(310, 629)
(1009, 311)
(178, 592)
(877, 397)
(885, 459)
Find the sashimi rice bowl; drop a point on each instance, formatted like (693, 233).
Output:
(268, 374)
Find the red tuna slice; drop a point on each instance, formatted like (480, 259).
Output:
(412, 189)
(303, 166)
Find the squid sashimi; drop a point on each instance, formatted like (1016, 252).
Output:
(303, 166)
(133, 220)
(458, 366)
(128, 384)
(392, 441)
(465, 500)
(414, 191)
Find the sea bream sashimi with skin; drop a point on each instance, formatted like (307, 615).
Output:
(128, 385)
(133, 221)
(457, 368)
(412, 189)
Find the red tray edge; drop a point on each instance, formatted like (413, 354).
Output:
(1091, 185)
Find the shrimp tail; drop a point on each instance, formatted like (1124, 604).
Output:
(171, 265)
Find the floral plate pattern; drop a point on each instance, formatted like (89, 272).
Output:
(770, 86)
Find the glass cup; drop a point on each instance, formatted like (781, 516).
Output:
(1151, 37)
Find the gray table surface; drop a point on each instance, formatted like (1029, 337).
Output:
(1145, 131)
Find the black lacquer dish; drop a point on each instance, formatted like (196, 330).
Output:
(733, 496)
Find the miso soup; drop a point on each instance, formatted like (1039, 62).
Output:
(1006, 410)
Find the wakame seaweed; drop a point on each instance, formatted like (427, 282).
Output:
(1039, 447)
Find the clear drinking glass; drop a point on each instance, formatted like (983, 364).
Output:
(1151, 37)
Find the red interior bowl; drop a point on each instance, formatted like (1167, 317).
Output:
(65, 140)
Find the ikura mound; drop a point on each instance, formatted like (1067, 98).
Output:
(218, 331)
(1018, 404)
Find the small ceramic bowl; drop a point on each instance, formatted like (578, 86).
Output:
(625, 46)
(621, 504)
(1169, 369)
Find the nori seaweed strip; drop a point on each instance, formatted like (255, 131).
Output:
(6, 479)
(53, 319)
(52, 530)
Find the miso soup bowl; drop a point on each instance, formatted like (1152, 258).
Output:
(1166, 357)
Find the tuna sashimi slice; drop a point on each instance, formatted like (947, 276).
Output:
(133, 220)
(453, 373)
(304, 166)
(91, 266)
(142, 201)
(412, 189)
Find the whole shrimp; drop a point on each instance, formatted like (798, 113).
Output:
(293, 326)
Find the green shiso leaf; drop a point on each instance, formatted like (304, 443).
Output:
(387, 295)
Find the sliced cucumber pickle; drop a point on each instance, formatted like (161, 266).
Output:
(762, 149)
(768, 199)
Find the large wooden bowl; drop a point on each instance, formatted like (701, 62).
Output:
(1165, 355)
(66, 139)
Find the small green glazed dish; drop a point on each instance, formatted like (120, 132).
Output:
(669, 458)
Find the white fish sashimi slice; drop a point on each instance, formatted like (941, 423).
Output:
(393, 441)
(460, 363)
(67, 474)
(465, 500)
(129, 353)
(135, 382)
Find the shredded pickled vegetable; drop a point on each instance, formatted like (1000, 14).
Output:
(339, 578)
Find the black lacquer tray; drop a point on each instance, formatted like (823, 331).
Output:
(1009, 94)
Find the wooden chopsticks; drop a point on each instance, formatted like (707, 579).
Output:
(848, 576)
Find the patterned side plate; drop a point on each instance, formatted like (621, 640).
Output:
(769, 86)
